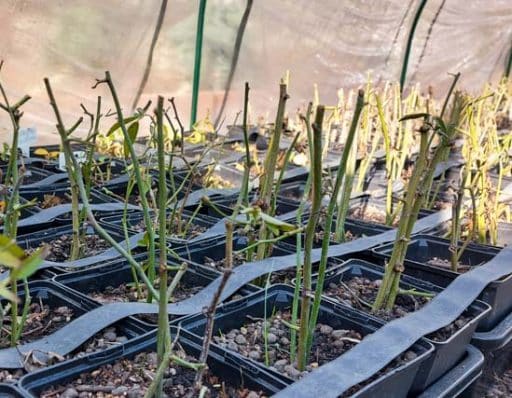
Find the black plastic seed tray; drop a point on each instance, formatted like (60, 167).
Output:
(395, 383)
(423, 248)
(117, 272)
(237, 373)
(447, 352)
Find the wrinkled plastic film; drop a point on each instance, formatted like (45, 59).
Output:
(331, 43)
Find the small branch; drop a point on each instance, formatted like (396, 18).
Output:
(210, 312)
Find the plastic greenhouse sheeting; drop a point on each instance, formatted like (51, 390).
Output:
(332, 43)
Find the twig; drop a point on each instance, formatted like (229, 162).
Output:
(210, 311)
(149, 61)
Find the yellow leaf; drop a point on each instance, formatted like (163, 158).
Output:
(41, 152)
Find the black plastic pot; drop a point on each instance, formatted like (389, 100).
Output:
(461, 379)
(24, 213)
(135, 223)
(231, 370)
(54, 295)
(424, 247)
(497, 350)
(292, 191)
(36, 239)
(95, 197)
(117, 272)
(10, 391)
(229, 174)
(447, 352)
(31, 174)
(226, 205)
(375, 182)
(366, 201)
(496, 346)
(216, 250)
(395, 383)
(356, 228)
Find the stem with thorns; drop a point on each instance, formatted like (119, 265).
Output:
(243, 198)
(316, 170)
(163, 317)
(138, 178)
(66, 147)
(330, 215)
(267, 181)
(210, 311)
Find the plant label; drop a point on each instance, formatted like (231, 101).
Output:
(80, 157)
(27, 137)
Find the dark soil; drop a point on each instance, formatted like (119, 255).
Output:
(53, 200)
(360, 293)
(60, 248)
(328, 344)
(43, 321)
(127, 292)
(132, 378)
(30, 178)
(188, 231)
(239, 258)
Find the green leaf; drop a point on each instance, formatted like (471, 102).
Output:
(440, 124)
(132, 133)
(144, 241)
(414, 116)
(6, 293)
(276, 223)
(29, 265)
(117, 125)
(10, 253)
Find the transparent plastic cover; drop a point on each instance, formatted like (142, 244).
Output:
(334, 44)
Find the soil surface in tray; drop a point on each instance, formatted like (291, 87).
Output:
(446, 264)
(29, 177)
(60, 248)
(188, 231)
(240, 258)
(361, 292)
(127, 292)
(54, 200)
(132, 378)
(328, 344)
(43, 321)
(369, 213)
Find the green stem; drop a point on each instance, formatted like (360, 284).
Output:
(197, 61)
(267, 181)
(410, 38)
(330, 215)
(389, 288)
(163, 317)
(85, 200)
(316, 170)
(139, 180)
(243, 198)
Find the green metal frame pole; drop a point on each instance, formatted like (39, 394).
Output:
(197, 61)
(407, 54)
